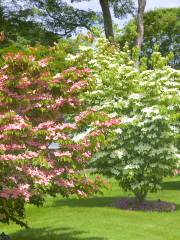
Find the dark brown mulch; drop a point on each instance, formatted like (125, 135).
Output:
(133, 204)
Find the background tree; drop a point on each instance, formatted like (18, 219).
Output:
(62, 19)
(120, 9)
(140, 23)
(108, 25)
(161, 28)
(16, 29)
(55, 16)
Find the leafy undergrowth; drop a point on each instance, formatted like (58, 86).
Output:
(98, 219)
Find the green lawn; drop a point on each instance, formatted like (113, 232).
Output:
(97, 219)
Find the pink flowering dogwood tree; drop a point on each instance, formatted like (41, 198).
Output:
(36, 110)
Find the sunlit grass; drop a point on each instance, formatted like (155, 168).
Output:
(97, 218)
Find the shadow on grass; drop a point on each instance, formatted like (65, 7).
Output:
(90, 202)
(106, 201)
(174, 185)
(51, 234)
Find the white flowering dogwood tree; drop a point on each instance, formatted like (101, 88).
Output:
(147, 101)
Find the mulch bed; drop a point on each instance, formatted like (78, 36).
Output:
(133, 204)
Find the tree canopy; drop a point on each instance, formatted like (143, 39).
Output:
(60, 17)
(55, 16)
(161, 27)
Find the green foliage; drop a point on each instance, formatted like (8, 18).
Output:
(147, 101)
(19, 29)
(161, 27)
(59, 51)
(50, 19)
(120, 8)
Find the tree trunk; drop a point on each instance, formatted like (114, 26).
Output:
(140, 23)
(140, 196)
(108, 26)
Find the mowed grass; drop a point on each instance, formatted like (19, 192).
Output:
(97, 218)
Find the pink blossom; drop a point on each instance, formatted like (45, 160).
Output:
(59, 102)
(78, 86)
(12, 94)
(54, 136)
(31, 58)
(2, 81)
(87, 154)
(87, 70)
(64, 183)
(18, 56)
(72, 101)
(5, 67)
(81, 193)
(17, 126)
(44, 62)
(83, 115)
(98, 145)
(6, 147)
(33, 115)
(62, 154)
(74, 147)
(23, 156)
(57, 78)
(44, 125)
(108, 123)
(36, 144)
(2, 136)
(86, 142)
(24, 83)
(38, 97)
(69, 70)
(16, 192)
(96, 133)
(65, 126)
(37, 105)
(3, 77)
